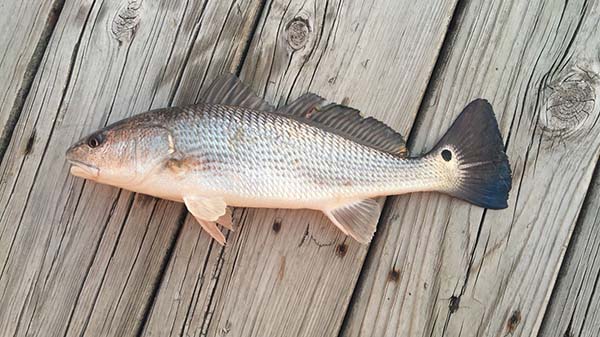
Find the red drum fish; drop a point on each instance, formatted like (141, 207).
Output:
(235, 149)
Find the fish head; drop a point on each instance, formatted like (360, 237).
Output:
(122, 154)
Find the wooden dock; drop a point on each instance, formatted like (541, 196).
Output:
(82, 259)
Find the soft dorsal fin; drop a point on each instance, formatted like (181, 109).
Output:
(347, 122)
(227, 89)
(304, 105)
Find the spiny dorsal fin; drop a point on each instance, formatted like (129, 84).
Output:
(227, 89)
(357, 219)
(347, 122)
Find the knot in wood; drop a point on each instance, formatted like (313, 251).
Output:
(298, 31)
(126, 21)
(569, 108)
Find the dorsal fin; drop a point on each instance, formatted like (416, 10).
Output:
(304, 105)
(227, 89)
(347, 122)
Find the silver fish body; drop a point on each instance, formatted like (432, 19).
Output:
(258, 159)
(310, 154)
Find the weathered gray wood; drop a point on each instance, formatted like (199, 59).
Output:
(77, 258)
(442, 268)
(291, 273)
(574, 308)
(25, 27)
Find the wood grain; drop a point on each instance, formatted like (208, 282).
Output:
(76, 258)
(440, 267)
(291, 273)
(81, 259)
(24, 33)
(574, 309)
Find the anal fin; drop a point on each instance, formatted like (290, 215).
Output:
(357, 219)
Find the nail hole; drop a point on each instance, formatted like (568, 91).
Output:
(277, 225)
(513, 321)
(447, 155)
(29, 145)
(341, 249)
(454, 303)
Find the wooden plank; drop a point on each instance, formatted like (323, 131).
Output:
(24, 33)
(77, 258)
(574, 309)
(440, 267)
(291, 272)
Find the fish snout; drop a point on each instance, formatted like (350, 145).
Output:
(79, 167)
(70, 153)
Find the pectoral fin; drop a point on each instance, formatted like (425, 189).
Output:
(212, 229)
(208, 210)
(357, 219)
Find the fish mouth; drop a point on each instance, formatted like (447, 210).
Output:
(83, 170)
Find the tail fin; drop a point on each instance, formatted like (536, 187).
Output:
(484, 176)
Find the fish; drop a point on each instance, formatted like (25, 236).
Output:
(233, 149)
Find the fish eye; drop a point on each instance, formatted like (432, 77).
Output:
(95, 140)
(447, 155)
